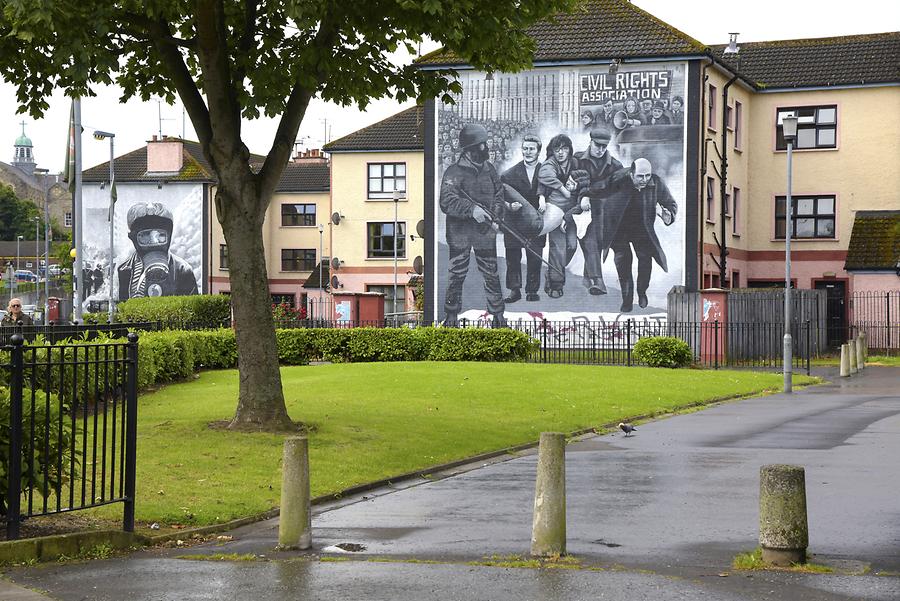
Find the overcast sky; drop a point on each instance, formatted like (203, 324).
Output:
(706, 20)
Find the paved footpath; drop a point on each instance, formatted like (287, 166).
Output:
(657, 516)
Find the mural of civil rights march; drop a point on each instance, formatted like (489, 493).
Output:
(158, 242)
(560, 194)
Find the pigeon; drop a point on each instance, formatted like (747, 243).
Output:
(626, 428)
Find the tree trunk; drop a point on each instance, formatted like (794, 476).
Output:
(261, 400)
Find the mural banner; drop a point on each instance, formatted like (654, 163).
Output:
(560, 195)
(158, 243)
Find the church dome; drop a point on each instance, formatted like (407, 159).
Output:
(23, 140)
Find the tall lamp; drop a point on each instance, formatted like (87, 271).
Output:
(103, 135)
(789, 128)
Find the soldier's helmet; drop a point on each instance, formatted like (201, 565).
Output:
(472, 135)
(149, 214)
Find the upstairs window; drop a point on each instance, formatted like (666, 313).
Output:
(816, 127)
(813, 217)
(381, 240)
(711, 107)
(298, 214)
(384, 178)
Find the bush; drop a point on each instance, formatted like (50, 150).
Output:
(203, 309)
(663, 351)
(43, 418)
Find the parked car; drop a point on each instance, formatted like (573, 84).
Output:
(54, 271)
(25, 275)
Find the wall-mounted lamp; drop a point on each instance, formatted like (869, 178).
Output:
(614, 65)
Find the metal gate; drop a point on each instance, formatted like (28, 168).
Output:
(71, 433)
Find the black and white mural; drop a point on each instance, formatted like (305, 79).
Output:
(158, 242)
(560, 194)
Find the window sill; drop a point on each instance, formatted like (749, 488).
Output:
(738, 150)
(299, 226)
(710, 222)
(399, 258)
(301, 271)
(777, 151)
(802, 240)
(735, 234)
(388, 199)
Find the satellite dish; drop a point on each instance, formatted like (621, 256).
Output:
(419, 265)
(335, 263)
(420, 228)
(336, 218)
(335, 282)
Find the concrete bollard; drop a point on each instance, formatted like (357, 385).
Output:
(548, 529)
(295, 521)
(852, 350)
(845, 360)
(865, 345)
(783, 528)
(860, 353)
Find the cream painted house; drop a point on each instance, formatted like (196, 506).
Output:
(367, 167)
(295, 245)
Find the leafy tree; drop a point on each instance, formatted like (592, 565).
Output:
(228, 60)
(17, 216)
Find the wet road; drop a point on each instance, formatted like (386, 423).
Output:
(658, 515)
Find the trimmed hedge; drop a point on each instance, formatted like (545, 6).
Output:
(206, 309)
(663, 351)
(171, 355)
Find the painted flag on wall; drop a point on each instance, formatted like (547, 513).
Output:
(69, 173)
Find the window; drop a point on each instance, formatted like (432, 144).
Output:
(738, 124)
(223, 256)
(384, 178)
(710, 199)
(816, 127)
(729, 115)
(298, 259)
(735, 279)
(711, 107)
(390, 306)
(727, 203)
(381, 240)
(736, 213)
(67, 219)
(813, 216)
(283, 299)
(298, 214)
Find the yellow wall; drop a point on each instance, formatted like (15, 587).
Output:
(349, 183)
(862, 172)
(276, 236)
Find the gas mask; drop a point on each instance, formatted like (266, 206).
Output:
(152, 245)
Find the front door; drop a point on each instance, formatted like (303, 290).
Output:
(835, 311)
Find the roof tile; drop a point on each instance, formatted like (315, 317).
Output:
(875, 241)
(403, 131)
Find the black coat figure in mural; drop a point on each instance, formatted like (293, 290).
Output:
(472, 198)
(152, 270)
(523, 178)
(600, 165)
(628, 219)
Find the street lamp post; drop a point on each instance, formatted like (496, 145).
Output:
(18, 241)
(37, 260)
(321, 259)
(789, 127)
(101, 135)
(397, 197)
(47, 235)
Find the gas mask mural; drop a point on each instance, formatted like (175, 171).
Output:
(152, 270)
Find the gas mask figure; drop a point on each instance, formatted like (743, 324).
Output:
(151, 270)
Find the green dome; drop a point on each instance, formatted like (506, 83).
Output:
(23, 140)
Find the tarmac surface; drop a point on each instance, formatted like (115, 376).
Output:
(657, 515)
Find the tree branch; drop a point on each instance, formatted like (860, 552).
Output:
(246, 41)
(294, 111)
(184, 83)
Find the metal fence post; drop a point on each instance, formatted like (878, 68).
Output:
(716, 336)
(543, 341)
(628, 340)
(14, 475)
(808, 348)
(130, 431)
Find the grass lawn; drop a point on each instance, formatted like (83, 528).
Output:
(375, 420)
(886, 360)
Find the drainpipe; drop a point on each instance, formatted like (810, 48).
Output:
(723, 245)
(703, 169)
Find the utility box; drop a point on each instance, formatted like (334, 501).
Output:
(52, 310)
(359, 308)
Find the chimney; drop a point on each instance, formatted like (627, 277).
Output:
(165, 156)
(732, 48)
(313, 155)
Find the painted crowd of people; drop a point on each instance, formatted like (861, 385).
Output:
(565, 198)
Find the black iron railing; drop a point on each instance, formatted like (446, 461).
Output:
(72, 430)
